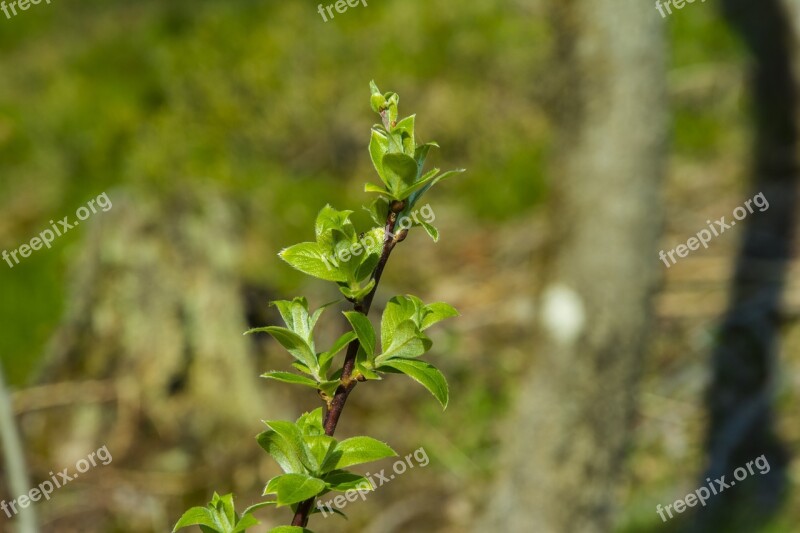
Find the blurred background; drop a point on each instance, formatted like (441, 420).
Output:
(589, 382)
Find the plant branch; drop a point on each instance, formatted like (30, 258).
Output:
(347, 382)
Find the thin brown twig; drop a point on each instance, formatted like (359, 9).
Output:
(347, 382)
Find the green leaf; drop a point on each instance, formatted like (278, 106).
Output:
(437, 312)
(294, 437)
(378, 211)
(329, 387)
(429, 176)
(302, 368)
(400, 171)
(357, 450)
(308, 258)
(321, 446)
(341, 342)
(342, 481)
(316, 509)
(197, 516)
(224, 510)
(371, 187)
(407, 341)
(415, 196)
(294, 314)
(293, 488)
(288, 377)
(256, 506)
(310, 423)
(282, 451)
(406, 126)
(359, 293)
(426, 374)
(290, 529)
(421, 154)
(431, 230)
(378, 147)
(367, 266)
(245, 523)
(294, 343)
(364, 330)
(333, 225)
(397, 309)
(312, 320)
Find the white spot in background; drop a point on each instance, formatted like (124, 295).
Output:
(563, 313)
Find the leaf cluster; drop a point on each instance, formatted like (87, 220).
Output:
(313, 461)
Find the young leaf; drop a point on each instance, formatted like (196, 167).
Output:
(312, 321)
(310, 423)
(293, 488)
(429, 176)
(328, 509)
(308, 258)
(294, 343)
(371, 187)
(357, 450)
(426, 374)
(358, 293)
(378, 211)
(406, 126)
(226, 512)
(321, 446)
(341, 342)
(364, 330)
(342, 481)
(330, 220)
(367, 266)
(407, 342)
(283, 452)
(421, 154)
(400, 171)
(294, 437)
(288, 377)
(256, 506)
(197, 516)
(378, 147)
(397, 310)
(431, 230)
(290, 529)
(416, 195)
(294, 314)
(365, 367)
(245, 523)
(437, 311)
(329, 387)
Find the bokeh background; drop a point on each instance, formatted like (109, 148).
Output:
(218, 130)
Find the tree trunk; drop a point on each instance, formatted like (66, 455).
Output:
(744, 363)
(150, 359)
(563, 448)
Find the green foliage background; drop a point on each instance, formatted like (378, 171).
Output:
(267, 102)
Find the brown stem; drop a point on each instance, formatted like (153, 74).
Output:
(348, 383)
